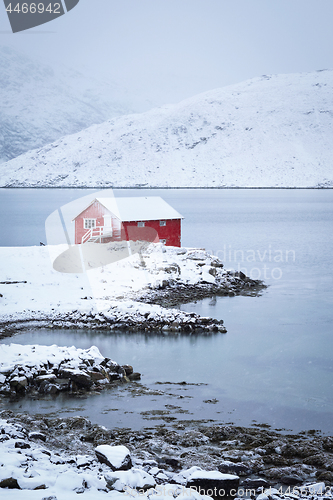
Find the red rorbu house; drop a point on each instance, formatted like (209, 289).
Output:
(131, 218)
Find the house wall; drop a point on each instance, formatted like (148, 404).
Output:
(171, 232)
(95, 211)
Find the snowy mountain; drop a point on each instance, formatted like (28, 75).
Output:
(40, 103)
(273, 131)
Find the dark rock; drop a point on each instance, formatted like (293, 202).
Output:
(96, 376)
(213, 483)
(255, 483)
(62, 383)
(128, 369)
(52, 389)
(326, 476)
(291, 480)
(112, 365)
(228, 467)
(37, 435)
(328, 443)
(239, 274)
(79, 377)
(134, 376)
(48, 388)
(19, 384)
(46, 378)
(22, 445)
(173, 462)
(88, 438)
(10, 483)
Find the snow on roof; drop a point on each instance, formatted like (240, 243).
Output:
(139, 208)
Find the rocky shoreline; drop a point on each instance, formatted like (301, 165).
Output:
(174, 293)
(116, 318)
(48, 370)
(287, 466)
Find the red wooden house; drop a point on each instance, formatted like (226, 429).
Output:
(130, 218)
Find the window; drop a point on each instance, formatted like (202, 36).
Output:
(162, 222)
(89, 223)
(141, 224)
(163, 241)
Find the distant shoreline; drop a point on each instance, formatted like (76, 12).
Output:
(167, 187)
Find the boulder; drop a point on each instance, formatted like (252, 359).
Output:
(213, 483)
(22, 445)
(19, 384)
(131, 479)
(228, 467)
(255, 483)
(128, 369)
(97, 376)
(116, 457)
(10, 483)
(291, 480)
(37, 435)
(79, 377)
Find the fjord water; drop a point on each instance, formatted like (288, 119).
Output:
(275, 363)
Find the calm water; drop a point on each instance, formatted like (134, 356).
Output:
(275, 363)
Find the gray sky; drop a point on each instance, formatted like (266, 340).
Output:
(173, 49)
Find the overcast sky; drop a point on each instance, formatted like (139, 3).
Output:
(177, 48)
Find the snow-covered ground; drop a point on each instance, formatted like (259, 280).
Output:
(30, 471)
(31, 288)
(272, 131)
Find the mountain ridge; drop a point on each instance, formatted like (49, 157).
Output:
(41, 103)
(270, 131)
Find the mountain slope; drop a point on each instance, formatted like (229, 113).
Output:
(266, 132)
(40, 104)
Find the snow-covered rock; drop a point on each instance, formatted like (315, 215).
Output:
(129, 480)
(116, 457)
(271, 131)
(51, 369)
(213, 483)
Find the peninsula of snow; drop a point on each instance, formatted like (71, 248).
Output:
(120, 294)
(272, 131)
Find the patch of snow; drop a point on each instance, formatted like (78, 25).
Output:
(210, 474)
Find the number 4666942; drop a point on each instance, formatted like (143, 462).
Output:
(34, 8)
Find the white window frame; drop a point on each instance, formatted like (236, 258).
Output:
(89, 223)
(162, 223)
(163, 240)
(141, 223)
